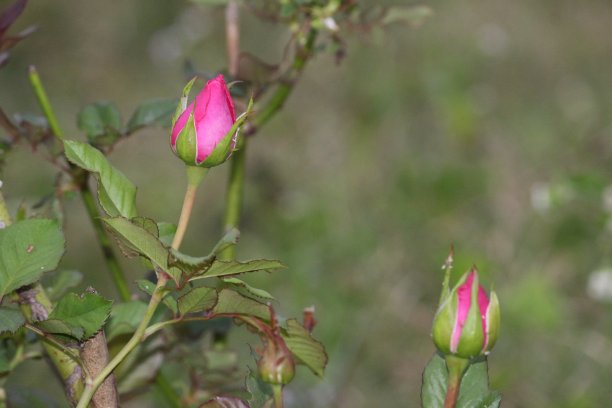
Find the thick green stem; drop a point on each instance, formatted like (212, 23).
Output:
(44, 103)
(92, 385)
(104, 241)
(233, 198)
(456, 368)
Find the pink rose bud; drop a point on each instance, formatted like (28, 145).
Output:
(467, 322)
(204, 133)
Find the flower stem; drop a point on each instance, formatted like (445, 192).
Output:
(456, 368)
(92, 385)
(277, 390)
(195, 175)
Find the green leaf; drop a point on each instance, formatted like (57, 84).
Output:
(116, 193)
(150, 113)
(149, 287)
(78, 316)
(227, 268)
(474, 391)
(27, 249)
(306, 348)
(61, 282)
(261, 392)
(145, 243)
(101, 123)
(247, 290)
(10, 319)
(125, 318)
(197, 300)
(232, 303)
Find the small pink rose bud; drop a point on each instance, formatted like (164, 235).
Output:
(467, 322)
(204, 134)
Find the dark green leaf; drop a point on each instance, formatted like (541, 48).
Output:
(306, 348)
(78, 316)
(228, 268)
(125, 318)
(197, 300)
(61, 282)
(116, 193)
(474, 391)
(27, 249)
(196, 266)
(230, 302)
(101, 123)
(149, 287)
(145, 243)
(156, 112)
(10, 319)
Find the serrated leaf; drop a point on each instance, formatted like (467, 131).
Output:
(27, 249)
(61, 282)
(125, 318)
(145, 243)
(10, 319)
(228, 268)
(247, 290)
(225, 402)
(101, 123)
(155, 112)
(261, 392)
(116, 193)
(306, 348)
(474, 391)
(192, 266)
(149, 287)
(197, 300)
(232, 303)
(78, 316)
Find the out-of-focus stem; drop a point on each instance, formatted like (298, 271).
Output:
(80, 178)
(277, 391)
(233, 198)
(232, 36)
(43, 101)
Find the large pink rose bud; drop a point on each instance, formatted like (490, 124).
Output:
(204, 133)
(467, 322)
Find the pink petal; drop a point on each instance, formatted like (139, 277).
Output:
(464, 301)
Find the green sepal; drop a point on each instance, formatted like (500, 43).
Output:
(443, 324)
(493, 320)
(187, 142)
(182, 105)
(472, 335)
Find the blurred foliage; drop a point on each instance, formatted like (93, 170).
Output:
(489, 127)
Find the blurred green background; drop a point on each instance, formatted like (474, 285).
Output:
(489, 127)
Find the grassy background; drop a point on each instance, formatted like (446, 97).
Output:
(488, 128)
